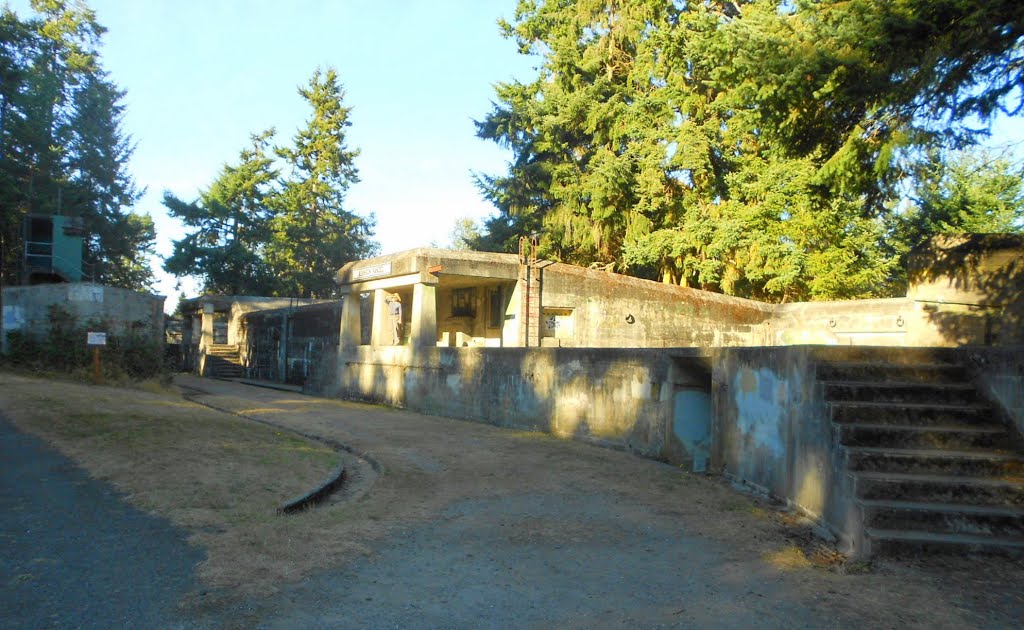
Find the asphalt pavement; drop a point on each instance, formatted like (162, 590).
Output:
(75, 554)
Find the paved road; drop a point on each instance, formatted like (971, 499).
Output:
(75, 555)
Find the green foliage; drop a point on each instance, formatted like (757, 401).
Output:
(757, 148)
(253, 233)
(230, 225)
(62, 148)
(465, 234)
(62, 348)
(976, 192)
(314, 235)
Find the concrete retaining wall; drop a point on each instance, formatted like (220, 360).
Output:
(615, 311)
(619, 398)
(114, 310)
(287, 345)
(1000, 374)
(771, 431)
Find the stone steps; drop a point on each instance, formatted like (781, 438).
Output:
(224, 361)
(869, 370)
(939, 488)
(901, 392)
(956, 436)
(935, 469)
(973, 463)
(919, 414)
(895, 542)
(954, 518)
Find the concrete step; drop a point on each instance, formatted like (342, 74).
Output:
(972, 463)
(223, 367)
(885, 355)
(222, 350)
(903, 542)
(876, 485)
(874, 371)
(957, 518)
(933, 436)
(854, 411)
(901, 392)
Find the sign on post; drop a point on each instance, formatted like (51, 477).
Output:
(94, 340)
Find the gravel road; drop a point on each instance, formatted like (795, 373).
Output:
(76, 555)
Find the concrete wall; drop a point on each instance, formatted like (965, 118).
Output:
(971, 287)
(999, 372)
(620, 398)
(609, 310)
(286, 345)
(115, 310)
(771, 431)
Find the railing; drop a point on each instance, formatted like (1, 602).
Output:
(39, 257)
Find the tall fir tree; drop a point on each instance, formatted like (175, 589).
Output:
(62, 148)
(313, 234)
(752, 147)
(230, 226)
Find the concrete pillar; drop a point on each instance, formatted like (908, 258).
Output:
(350, 335)
(424, 315)
(205, 337)
(206, 334)
(380, 331)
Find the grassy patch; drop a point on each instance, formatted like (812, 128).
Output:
(217, 475)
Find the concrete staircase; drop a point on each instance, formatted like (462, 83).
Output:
(935, 467)
(224, 361)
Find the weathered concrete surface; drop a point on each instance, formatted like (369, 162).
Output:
(972, 287)
(76, 555)
(26, 309)
(1000, 374)
(472, 526)
(619, 398)
(771, 431)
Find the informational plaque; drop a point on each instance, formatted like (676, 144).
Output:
(373, 271)
(96, 338)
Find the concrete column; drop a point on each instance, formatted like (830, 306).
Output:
(351, 322)
(206, 334)
(380, 332)
(424, 315)
(205, 337)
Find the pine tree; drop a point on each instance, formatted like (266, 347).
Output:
(231, 226)
(757, 147)
(62, 148)
(313, 234)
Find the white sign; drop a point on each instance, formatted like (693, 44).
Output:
(96, 338)
(374, 271)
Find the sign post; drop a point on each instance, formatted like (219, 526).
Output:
(95, 340)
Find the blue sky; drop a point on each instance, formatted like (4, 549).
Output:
(202, 75)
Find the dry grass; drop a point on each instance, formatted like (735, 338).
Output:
(220, 477)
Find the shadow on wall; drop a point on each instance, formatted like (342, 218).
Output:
(971, 287)
(643, 401)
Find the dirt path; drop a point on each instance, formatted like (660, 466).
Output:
(474, 526)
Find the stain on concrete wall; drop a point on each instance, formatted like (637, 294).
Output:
(618, 398)
(772, 432)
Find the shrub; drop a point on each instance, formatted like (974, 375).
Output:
(63, 348)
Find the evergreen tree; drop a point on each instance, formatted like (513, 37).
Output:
(231, 224)
(62, 150)
(313, 234)
(757, 148)
(966, 191)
